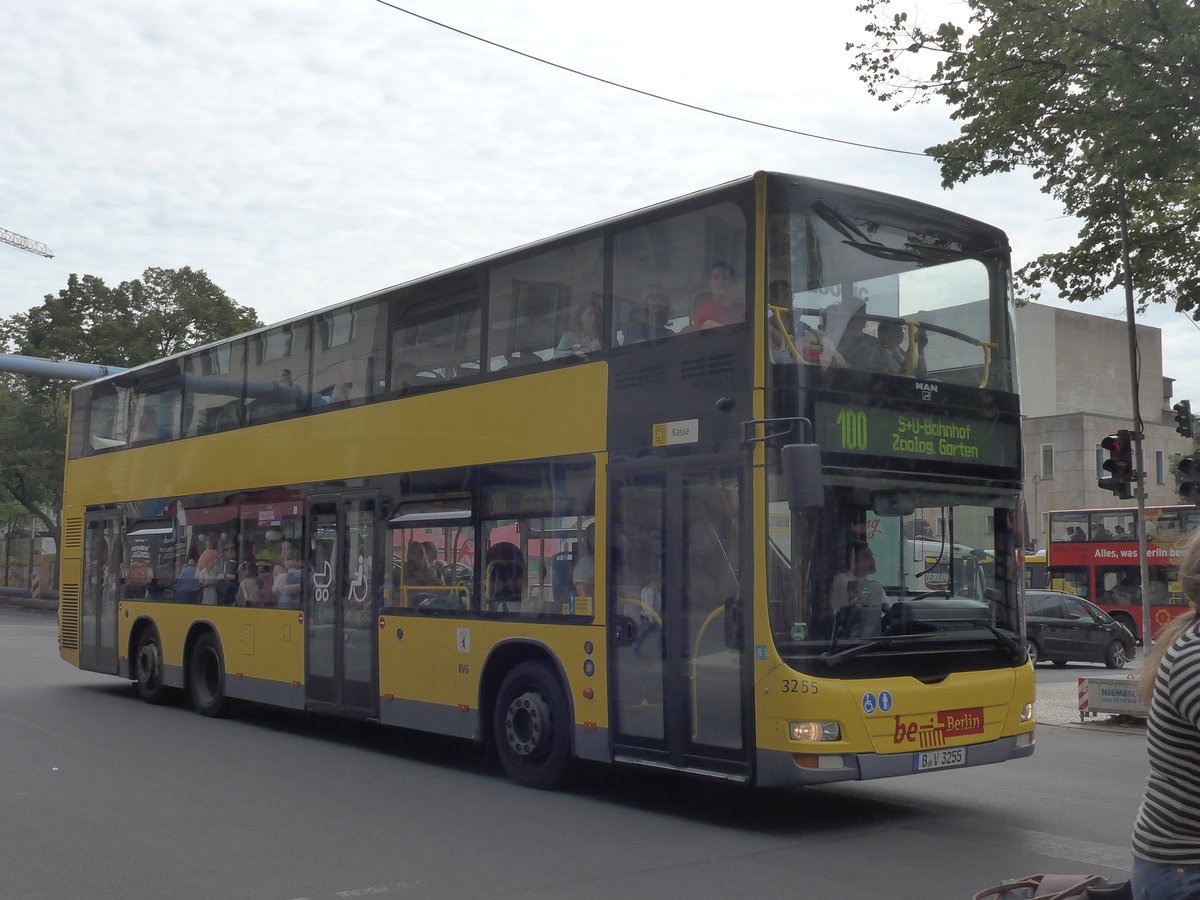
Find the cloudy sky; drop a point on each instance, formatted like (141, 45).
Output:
(304, 152)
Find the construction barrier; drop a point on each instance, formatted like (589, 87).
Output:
(1109, 696)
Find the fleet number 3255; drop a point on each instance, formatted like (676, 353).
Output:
(799, 686)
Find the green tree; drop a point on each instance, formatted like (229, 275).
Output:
(164, 312)
(1091, 95)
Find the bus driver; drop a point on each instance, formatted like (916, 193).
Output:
(861, 597)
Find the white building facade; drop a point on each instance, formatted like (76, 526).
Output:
(1075, 390)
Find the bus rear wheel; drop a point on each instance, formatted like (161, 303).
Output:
(531, 727)
(206, 676)
(148, 667)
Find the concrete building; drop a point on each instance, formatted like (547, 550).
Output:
(1075, 390)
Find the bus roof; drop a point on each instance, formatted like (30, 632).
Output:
(933, 212)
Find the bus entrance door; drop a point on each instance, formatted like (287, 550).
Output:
(342, 584)
(101, 591)
(677, 621)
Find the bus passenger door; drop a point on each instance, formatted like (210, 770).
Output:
(101, 593)
(341, 590)
(678, 588)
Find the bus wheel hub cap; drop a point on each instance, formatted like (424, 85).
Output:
(527, 716)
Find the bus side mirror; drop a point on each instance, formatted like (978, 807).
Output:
(802, 476)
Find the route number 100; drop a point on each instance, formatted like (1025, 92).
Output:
(854, 429)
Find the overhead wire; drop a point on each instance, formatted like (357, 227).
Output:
(651, 94)
(681, 103)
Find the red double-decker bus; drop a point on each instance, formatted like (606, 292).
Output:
(1095, 553)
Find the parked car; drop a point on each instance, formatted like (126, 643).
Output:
(1064, 628)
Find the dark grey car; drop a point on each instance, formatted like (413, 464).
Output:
(1064, 628)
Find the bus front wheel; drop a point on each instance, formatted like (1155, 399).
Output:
(531, 727)
(206, 676)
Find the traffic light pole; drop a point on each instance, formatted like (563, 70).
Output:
(1134, 380)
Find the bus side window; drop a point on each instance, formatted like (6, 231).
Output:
(277, 373)
(532, 302)
(213, 383)
(662, 270)
(504, 577)
(157, 402)
(348, 353)
(436, 335)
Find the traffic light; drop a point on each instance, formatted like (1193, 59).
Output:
(1119, 464)
(1183, 418)
(1189, 483)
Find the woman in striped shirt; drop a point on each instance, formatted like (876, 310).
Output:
(1166, 834)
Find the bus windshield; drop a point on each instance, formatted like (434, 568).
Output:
(888, 570)
(891, 293)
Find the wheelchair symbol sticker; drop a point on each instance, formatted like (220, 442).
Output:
(868, 703)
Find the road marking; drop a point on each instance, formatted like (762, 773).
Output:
(1081, 851)
(5, 715)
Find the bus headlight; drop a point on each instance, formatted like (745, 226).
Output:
(815, 731)
(1027, 712)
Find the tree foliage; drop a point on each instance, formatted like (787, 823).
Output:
(1093, 96)
(164, 312)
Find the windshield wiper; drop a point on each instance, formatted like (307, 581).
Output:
(911, 252)
(837, 656)
(1006, 640)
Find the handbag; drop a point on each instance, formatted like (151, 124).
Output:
(1059, 887)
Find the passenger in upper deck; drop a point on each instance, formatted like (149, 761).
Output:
(779, 321)
(859, 349)
(648, 319)
(584, 337)
(891, 334)
(723, 306)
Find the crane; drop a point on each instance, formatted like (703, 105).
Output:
(23, 243)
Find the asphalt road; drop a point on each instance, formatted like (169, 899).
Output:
(102, 796)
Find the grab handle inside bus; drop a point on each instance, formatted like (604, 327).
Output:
(802, 475)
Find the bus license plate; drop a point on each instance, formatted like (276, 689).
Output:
(939, 759)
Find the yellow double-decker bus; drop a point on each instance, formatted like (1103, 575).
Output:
(646, 493)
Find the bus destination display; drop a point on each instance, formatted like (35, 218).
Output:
(913, 435)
